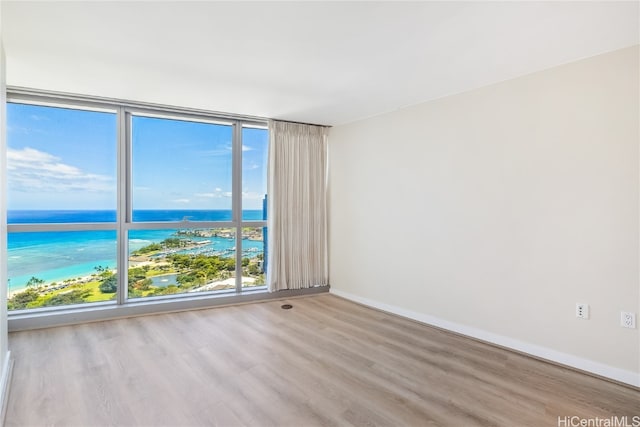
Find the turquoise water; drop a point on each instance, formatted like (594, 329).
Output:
(58, 256)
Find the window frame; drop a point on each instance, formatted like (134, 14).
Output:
(125, 111)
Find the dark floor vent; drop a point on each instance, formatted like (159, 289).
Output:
(286, 306)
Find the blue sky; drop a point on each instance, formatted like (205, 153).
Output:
(66, 159)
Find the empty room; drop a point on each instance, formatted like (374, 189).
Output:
(320, 213)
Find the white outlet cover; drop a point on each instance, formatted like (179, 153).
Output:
(627, 320)
(582, 310)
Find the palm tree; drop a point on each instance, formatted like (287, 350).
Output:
(34, 281)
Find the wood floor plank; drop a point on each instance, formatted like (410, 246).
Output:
(326, 362)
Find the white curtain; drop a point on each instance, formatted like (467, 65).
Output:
(297, 211)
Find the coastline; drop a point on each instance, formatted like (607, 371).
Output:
(205, 260)
(214, 285)
(55, 284)
(59, 268)
(84, 271)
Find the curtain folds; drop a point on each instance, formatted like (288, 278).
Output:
(297, 220)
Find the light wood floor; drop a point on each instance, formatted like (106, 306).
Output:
(326, 362)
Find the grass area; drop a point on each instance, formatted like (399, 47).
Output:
(92, 286)
(90, 291)
(96, 295)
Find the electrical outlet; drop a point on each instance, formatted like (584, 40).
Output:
(627, 320)
(582, 310)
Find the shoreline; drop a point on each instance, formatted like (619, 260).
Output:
(135, 261)
(59, 284)
(210, 286)
(194, 247)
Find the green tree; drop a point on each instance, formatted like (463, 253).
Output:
(145, 284)
(109, 285)
(154, 247)
(22, 299)
(254, 269)
(34, 281)
(76, 296)
(173, 242)
(136, 274)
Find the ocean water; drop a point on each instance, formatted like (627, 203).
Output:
(57, 256)
(71, 216)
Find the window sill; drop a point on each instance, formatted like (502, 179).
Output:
(35, 319)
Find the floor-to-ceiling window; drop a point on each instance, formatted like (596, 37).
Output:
(111, 203)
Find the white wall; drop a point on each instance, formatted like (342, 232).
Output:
(493, 212)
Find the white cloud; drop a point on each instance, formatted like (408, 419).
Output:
(215, 195)
(209, 195)
(23, 130)
(183, 201)
(221, 150)
(38, 118)
(32, 170)
(252, 195)
(252, 166)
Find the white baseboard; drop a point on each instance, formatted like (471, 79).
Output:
(5, 382)
(624, 376)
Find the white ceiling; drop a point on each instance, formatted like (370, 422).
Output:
(317, 62)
